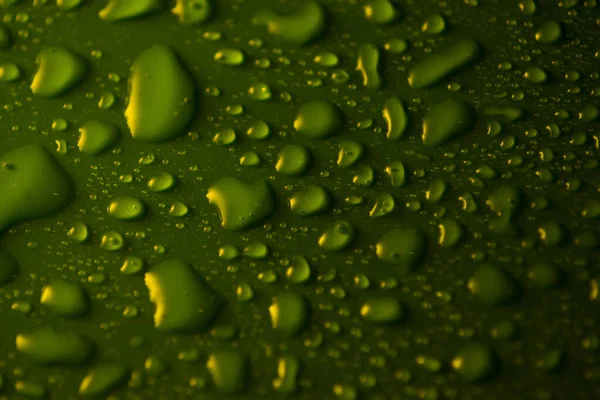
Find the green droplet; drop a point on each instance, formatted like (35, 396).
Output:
(225, 137)
(250, 159)
(289, 313)
(404, 247)
(380, 11)
(244, 292)
(368, 65)
(184, 303)
(96, 136)
(318, 119)
(102, 378)
(326, 59)
(363, 176)
(161, 96)
(60, 125)
(54, 347)
(126, 208)
(384, 204)
(65, 299)
(117, 10)
(258, 130)
(30, 389)
(535, 74)
(228, 252)
(299, 270)
(474, 362)
(436, 191)
(437, 66)
(9, 268)
(78, 232)
(544, 275)
(191, 12)
(132, 265)
(228, 370)
(396, 172)
(591, 209)
(241, 203)
(256, 250)
(445, 121)
(9, 72)
(434, 24)
(550, 360)
(259, 91)
(310, 200)
(350, 152)
(492, 285)
(549, 32)
(111, 241)
(154, 365)
(32, 185)
(396, 45)
(304, 23)
(450, 233)
(161, 182)
(337, 236)
(178, 209)
(107, 100)
(293, 160)
(396, 117)
(527, 7)
(382, 310)
(551, 233)
(58, 70)
(67, 5)
(288, 369)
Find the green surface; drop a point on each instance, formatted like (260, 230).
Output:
(332, 199)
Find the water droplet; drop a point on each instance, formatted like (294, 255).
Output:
(303, 24)
(337, 236)
(65, 299)
(474, 362)
(289, 313)
(368, 65)
(228, 370)
(259, 91)
(161, 182)
(384, 204)
(310, 200)
(434, 24)
(437, 66)
(382, 310)
(492, 285)
(161, 97)
(396, 172)
(184, 303)
(191, 12)
(126, 208)
(132, 265)
(256, 250)
(228, 252)
(450, 233)
(350, 152)
(78, 232)
(326, 59)
(549, 32)
(396, 117)
(404, 247)
(107, 100)
(299, 270)
(288, 369)
(445, 121)
(9, 72)
(54, 347)
(241, 203)
(380, 11)
(96, 136)
(293, 160)
(545, 275)
(116, 10)
(318, 119)
(58, 70)
(258, 130)
(102, 378)
(112, 241)
(225, 137)
(178, 209)
(33, 186)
